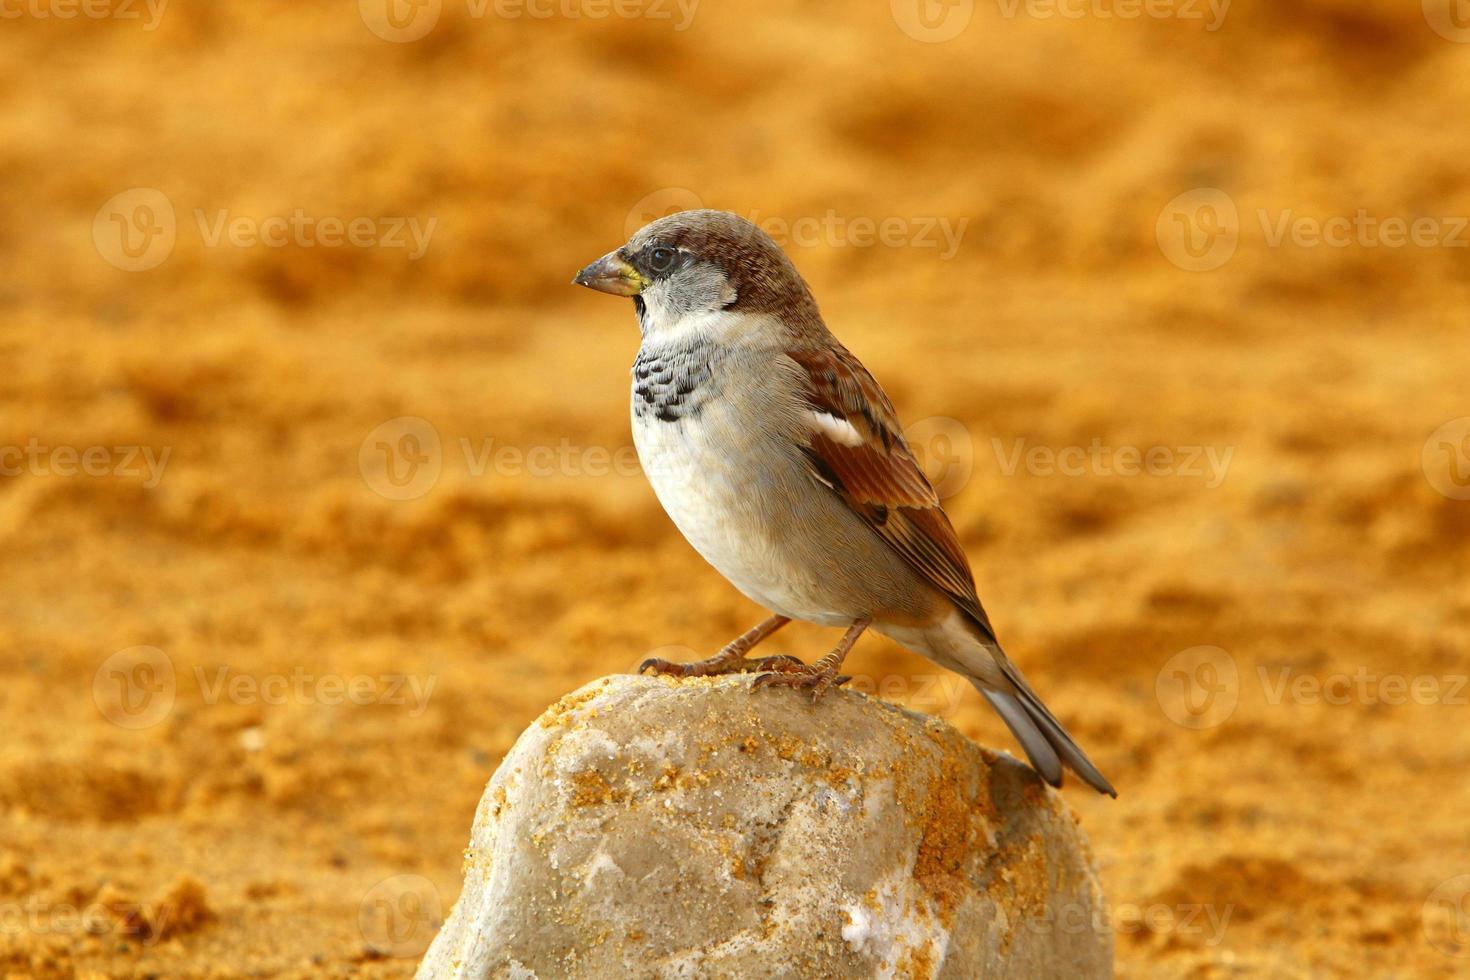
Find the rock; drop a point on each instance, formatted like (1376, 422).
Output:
(646, 827)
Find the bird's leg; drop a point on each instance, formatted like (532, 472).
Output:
(731, 658)
(821, 676)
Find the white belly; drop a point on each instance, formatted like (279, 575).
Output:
(721, 491)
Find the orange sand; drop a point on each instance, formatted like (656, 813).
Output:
(264, 828)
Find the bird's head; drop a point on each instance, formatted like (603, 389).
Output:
(692, 266)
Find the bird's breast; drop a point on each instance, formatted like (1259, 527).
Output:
(709, 441)
(704, 455)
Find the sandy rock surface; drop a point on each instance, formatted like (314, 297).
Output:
(647, 827)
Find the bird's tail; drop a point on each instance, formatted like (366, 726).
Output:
(1046, 742)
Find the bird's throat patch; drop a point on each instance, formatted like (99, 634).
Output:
(671, 385)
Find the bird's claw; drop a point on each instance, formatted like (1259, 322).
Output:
(814, 679)
(698, 668)
(720, 664)
(660, 666)
(781, 663)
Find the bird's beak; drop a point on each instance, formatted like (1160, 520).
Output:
(611, 274)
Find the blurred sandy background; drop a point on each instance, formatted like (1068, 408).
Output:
(250, 698)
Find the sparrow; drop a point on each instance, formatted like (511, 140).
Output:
(783, 463)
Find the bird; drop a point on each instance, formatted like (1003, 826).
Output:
(782, 461)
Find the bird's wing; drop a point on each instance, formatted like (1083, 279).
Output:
(858, 450)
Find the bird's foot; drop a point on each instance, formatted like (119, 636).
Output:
(818, 678)
(724, 662)
(730, 659)
(782, 663)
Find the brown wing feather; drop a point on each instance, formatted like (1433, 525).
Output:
(880, 479)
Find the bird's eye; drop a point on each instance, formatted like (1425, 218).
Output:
(661, 259)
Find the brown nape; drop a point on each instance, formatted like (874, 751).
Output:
(764, 278)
